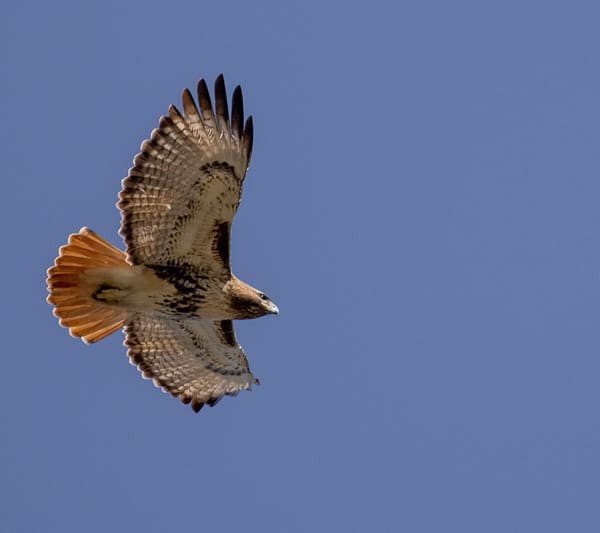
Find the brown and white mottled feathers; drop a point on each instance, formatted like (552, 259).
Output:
(181, 195)
(179, 355)
(178, 204)
(173, 290)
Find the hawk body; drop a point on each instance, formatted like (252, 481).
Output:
(172, 290)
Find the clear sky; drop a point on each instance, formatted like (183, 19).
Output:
(423, 207)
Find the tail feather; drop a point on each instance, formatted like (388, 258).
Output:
(72, 289)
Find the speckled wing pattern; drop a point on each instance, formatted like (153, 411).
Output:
(182, 193)
(180, 356)
(177, 205)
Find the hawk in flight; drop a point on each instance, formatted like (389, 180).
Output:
(172, 289)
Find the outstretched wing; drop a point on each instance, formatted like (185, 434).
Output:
(181, 195)
(197, 360)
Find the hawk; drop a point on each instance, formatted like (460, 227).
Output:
(172, 289)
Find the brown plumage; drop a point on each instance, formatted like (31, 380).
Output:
(172, 290)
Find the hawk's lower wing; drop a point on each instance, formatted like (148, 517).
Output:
(197, 360)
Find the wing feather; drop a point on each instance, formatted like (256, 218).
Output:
(197, 360)
(208, 117)
(248, 137)
(221, 104)
(237, 113)
(187, 181)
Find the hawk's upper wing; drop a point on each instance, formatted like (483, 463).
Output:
(179, 198)
(197, 360)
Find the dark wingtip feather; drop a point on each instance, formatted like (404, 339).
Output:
(174, 113)
(214, 401)
(248, 137)
(221, 103)
(196, 406)
(189, 106)
(205, 102)
(237, 112)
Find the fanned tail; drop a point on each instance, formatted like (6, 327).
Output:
(73, 290)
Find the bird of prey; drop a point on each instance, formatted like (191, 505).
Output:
(172, 289)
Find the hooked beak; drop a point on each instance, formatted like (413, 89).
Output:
(272, 308)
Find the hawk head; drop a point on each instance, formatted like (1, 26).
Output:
(247, 302)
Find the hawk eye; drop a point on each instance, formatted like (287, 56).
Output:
(263, 296)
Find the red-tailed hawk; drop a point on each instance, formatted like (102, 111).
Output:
(172, 290)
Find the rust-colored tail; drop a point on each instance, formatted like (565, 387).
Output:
(72, 289)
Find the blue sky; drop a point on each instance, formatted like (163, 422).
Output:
(423, 207)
